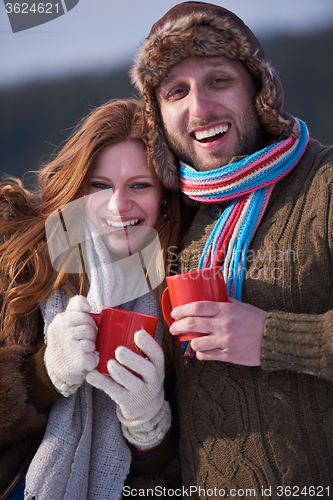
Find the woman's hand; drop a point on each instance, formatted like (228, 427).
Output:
(144, 414)
(70, 351)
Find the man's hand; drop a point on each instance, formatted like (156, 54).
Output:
(233, 329)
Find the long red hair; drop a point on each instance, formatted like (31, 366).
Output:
(27, 275)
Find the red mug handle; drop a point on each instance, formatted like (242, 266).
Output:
(166, 307)
(166, 310)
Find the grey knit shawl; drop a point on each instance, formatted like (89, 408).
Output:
(83, 455)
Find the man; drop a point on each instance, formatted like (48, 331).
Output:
(256, 400)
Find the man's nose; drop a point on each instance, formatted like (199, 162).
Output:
(200, 103)
(119, 202)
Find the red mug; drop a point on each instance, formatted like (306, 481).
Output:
(201, 284)
(117, 327)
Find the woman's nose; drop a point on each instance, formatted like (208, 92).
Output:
(119, 202)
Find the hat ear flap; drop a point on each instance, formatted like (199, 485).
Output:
(269, 99)
(279, 95)
(165, 163)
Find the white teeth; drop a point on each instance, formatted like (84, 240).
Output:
(204, 134)
(122, 224)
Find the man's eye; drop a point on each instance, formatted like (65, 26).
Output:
(177, 93)
(220, 81)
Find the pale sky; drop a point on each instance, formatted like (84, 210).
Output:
(100, 34)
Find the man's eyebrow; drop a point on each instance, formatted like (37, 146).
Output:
(167, 79)
(213, 63)
(216, 62)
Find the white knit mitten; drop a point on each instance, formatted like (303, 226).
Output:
(144, 414)
(70, 346)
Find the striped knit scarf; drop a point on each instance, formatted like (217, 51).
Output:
(249, 184)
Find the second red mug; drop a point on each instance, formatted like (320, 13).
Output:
(202, 284)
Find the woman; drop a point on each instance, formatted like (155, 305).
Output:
(39, 297)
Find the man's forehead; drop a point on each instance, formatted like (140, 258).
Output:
(200, 63)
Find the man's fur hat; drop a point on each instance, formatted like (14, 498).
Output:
(199, 29)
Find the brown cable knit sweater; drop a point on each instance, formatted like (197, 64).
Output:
(252, 432)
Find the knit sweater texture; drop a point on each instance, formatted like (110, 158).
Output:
(247, 430)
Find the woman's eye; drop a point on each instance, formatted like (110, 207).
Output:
(141, 185)
(100, 185)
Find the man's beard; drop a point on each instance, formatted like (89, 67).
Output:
(251, 138)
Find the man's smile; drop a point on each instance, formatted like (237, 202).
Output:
(211, 134)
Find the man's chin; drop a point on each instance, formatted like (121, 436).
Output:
(204, 164)
(200, 161)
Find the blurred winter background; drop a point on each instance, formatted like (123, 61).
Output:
(53, 74)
